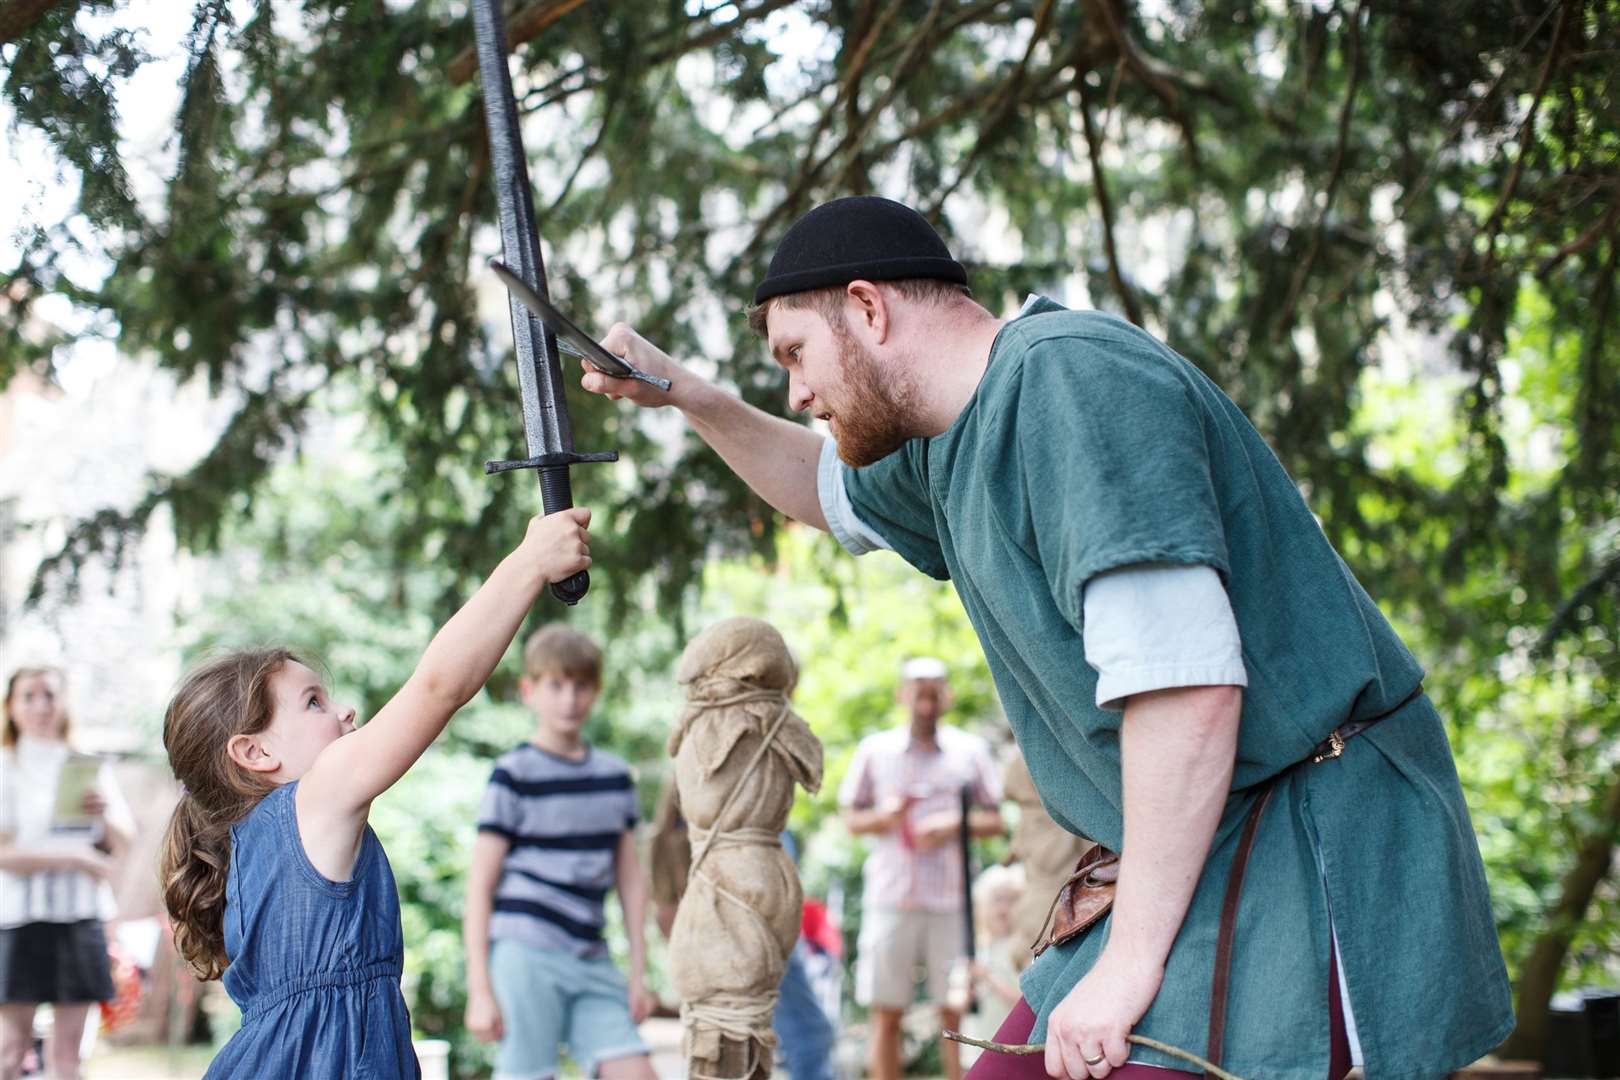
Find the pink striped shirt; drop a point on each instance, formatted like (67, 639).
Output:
(887, 765)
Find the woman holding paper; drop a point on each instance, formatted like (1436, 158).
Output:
(62, 822)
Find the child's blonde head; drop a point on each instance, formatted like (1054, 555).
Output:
(227, 696)
(559, 649)
(996, 891)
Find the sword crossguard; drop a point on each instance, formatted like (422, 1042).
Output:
(556, 493)
(567, 457)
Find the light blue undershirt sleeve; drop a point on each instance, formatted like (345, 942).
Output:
(1158, 626)
(856, 536)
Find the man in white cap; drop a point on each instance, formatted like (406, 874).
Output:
(904, 788)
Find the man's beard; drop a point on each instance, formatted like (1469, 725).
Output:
(874, 413)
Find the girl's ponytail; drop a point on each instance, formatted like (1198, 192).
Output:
(196, 859)
(224, 698)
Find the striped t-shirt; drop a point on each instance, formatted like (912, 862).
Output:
(563, 820)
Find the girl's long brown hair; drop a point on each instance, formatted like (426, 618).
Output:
(223, 698)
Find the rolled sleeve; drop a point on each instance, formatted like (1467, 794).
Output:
(856, 537)
(1157, 626)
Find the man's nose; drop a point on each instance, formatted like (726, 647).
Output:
(799, 395)
(349, 715)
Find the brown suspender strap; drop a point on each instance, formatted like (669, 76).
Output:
(1228, 930)
(1327, 749)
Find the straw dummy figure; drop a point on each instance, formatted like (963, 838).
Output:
(739, 749)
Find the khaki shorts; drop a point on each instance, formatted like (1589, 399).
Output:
(896, 947)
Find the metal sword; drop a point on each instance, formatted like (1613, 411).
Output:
(546, 425)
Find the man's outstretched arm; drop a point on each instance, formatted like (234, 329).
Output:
(775, 457)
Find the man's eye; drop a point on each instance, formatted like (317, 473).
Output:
(313, 702)
(794, 352)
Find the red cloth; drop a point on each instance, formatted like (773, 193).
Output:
(127, 988)
(1021, 1021)
(817, 928)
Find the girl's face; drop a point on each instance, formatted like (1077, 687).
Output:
(999, 917)
(36, 705)
(305, 722)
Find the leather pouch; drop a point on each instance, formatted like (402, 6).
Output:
(1084, 898)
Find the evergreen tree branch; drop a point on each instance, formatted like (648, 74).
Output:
(809, 173)
(1565, 618)
(1000, 107)
(525, 23)
(1043, 87)
(1296, 287)
(1597, 402)
(718, 32)
(585, 156)
(17, 16)
(1435, 156)
(547, 95)
(1585, 240)
(848, 88)
(1149, 70)
(1493, 224)
(1538, 977)
(243, 454)
(1105, 207)
(974, 13)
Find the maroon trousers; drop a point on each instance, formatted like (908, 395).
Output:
(1021, 1021)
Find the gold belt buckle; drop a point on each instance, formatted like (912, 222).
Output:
(1335, 748)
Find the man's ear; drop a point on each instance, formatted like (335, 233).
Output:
(871, 310)
(526, 688)
(247, 752)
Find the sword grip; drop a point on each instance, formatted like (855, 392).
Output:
(557, 493)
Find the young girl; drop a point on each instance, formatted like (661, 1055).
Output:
(270, 874)
(54, 895)
(996, 892)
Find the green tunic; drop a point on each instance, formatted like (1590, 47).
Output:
(1088, 446)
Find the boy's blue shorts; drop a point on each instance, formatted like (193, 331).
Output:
(549, 999)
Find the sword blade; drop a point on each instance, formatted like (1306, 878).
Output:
(573, 340)
(545, 409)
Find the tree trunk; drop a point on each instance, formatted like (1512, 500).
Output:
(16, 16)
(1539, 977)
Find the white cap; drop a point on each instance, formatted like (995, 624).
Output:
(923, 667)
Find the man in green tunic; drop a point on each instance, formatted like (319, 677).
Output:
(1173, 640)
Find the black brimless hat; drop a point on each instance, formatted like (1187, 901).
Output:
(864, 237)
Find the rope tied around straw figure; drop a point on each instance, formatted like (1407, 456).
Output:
(737, 1018)
(709, 837)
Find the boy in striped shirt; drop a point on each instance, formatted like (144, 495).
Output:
(555, 833)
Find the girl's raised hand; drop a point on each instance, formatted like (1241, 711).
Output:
(559, 544)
